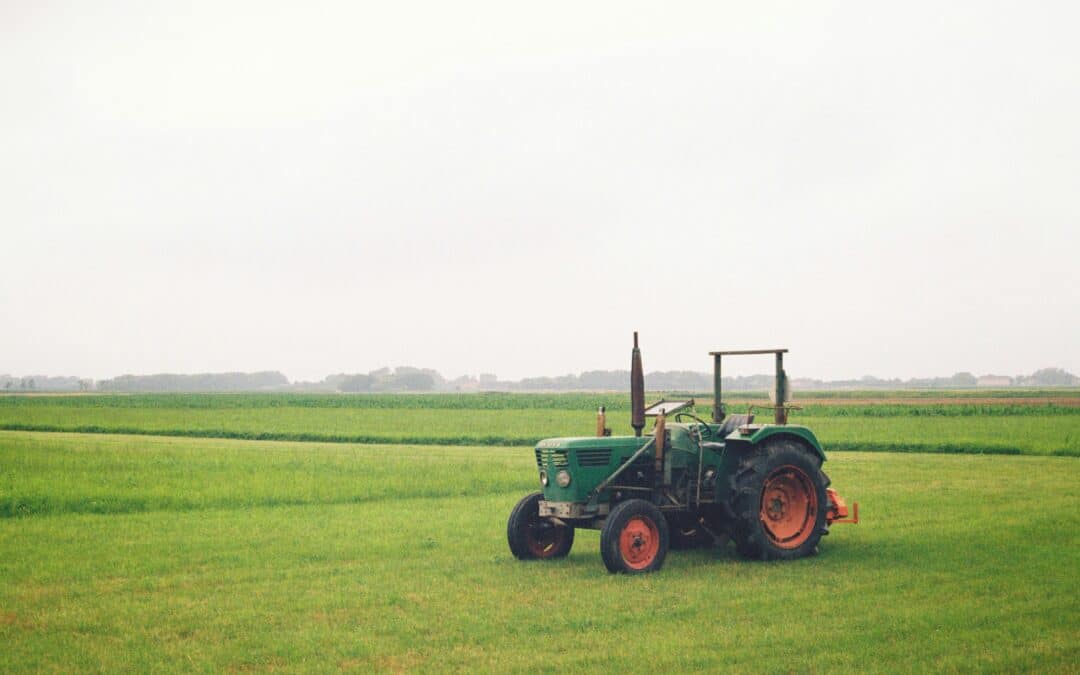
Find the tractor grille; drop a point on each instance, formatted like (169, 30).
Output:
(599, 457)
(557, 457)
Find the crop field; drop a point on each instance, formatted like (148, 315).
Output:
(1046, 424)
(152, 552)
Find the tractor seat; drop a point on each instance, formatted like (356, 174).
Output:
(732, 422)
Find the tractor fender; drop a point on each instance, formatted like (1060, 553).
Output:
(756, 434)
(737, 444)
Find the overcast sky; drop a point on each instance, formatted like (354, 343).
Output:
(318, 187)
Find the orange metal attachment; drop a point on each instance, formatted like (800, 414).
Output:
(838, 510)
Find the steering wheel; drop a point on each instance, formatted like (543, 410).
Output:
(706, 430)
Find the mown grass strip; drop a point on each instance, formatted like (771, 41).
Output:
(298, 436)
(936, 448)
(50, 474)
(508, 441)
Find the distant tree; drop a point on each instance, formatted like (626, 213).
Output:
(602, 379)
(680, 380)
(536, 383)
(437, 380)
(356, 383)
(964, 379)
(463, 383)
(414, 380)
(1052, 377)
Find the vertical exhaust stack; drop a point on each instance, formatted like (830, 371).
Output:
(637, 390)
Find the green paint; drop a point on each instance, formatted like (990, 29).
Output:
(758, 433)
(581, 457)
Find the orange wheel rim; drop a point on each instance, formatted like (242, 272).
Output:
(639, 542)
(788, 506)
(544, 539)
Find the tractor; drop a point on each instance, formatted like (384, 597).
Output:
(687, 484)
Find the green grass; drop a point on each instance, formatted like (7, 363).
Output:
(999, 430)
(63, 474)
(160, 554)
(1021, 435)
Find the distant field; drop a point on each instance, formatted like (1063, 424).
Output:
(1059, 396)
(144, 554)
(956, 426)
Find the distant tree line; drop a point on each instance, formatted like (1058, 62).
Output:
(1045, 377)
(414, 379)
(208, 382)
(410, 379)
(1049, 377)
(404, 378)
(44, 383)
(619, 380)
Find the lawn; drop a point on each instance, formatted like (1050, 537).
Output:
(146, 553)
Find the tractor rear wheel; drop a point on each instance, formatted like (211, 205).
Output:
(779, 502)
(532, 537)
(634, 538)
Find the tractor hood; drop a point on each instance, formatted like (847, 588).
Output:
(632, 442)
(587, 461)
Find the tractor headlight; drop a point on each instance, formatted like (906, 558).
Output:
(562, 478)
(543, 478)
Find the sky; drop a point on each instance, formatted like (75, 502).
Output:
(513, 188)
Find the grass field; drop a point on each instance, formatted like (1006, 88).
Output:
(136, 553)
(958, 426)
(179, 548)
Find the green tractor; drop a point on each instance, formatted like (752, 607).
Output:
(690, 483)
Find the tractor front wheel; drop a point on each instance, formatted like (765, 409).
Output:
(634, 538)
(779, 502)
(532, 537)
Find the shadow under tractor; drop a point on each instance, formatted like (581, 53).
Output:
(690, 483)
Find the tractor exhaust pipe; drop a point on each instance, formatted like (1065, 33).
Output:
(637, 390)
